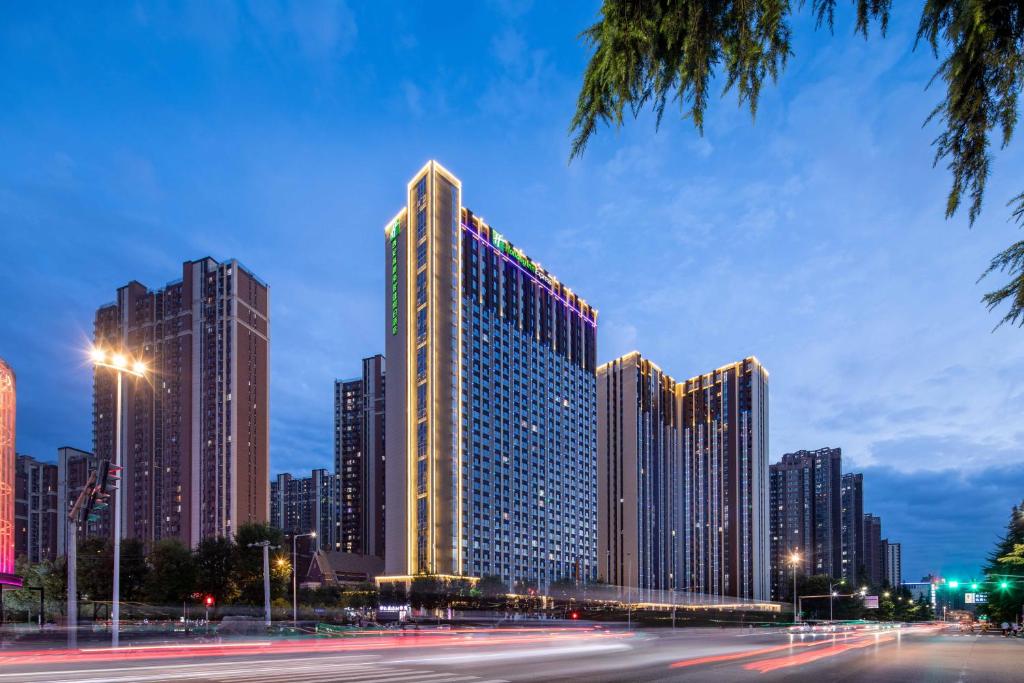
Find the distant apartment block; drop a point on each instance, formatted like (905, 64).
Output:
(893, 563)
(872, 551)
(35, 509)
(196, 430)
(359, 460)
(806, 514)
(304, 505)
(852, 497)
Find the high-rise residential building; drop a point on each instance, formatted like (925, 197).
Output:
(893, 563)
(806, 515)
(302, 505)
(491, 401)
(791, 484)
(8, 406)
(872, 551)
(359, 460)
(35, 509)
(640, 492)
(852, 497)
(724, 422)
(74, 466)
(196, 429)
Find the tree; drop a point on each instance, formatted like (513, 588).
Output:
(172, 573)
(48, 575)
(215, 564)
(248, 563)
(95, 569)
(133, 570)
(649, 52)
(427, 592)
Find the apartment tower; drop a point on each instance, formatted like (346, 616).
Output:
(852, 496)
(304, 505)
(491, 401)
(640, 491)
(872, 551)
(806, 514)
(196, 429)
(35, 509)
(724, 423)
(359, 460)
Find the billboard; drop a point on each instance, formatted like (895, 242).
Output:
(870, 602)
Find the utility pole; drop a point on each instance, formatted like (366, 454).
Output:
(266, 575)
(115, 615)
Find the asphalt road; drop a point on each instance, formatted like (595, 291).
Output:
(577, 654)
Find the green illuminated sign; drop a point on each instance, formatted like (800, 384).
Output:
(505, 247)
(395, 229)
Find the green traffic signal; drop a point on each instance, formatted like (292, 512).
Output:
(1004, 585)
(974, 586)
(954, 584)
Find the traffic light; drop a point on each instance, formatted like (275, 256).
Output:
(974, 586)
(1004, 585)
(208, 601)
(954, 584)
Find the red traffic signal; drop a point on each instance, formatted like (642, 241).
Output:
(209, 601)
(575, 615)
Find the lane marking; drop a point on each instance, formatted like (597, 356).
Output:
(94, 670)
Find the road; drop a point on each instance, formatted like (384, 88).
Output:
(590, 654)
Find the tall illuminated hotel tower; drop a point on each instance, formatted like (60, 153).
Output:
(490, 410)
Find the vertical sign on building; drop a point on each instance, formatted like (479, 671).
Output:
(394, 275)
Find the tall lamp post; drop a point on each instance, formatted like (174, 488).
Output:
(295, 572)
(794, 560)
(120, 364)
(832, 594)
(266, 575)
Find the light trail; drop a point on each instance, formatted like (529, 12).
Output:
(465, 638)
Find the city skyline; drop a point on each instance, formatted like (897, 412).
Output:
(890, 358)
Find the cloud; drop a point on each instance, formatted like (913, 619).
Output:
(925, 510)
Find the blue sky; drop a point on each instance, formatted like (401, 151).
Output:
(135, 137)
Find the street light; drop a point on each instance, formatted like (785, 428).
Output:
(794, 560)
(295, 570)
(118, 362)
(832, 594)
(266, 574)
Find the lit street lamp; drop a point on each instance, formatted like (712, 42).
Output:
(794, 559)
(295, 571)
(832, 594)
(119, 363)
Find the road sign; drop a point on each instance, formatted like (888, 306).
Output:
(870, 602)
(976, 598)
